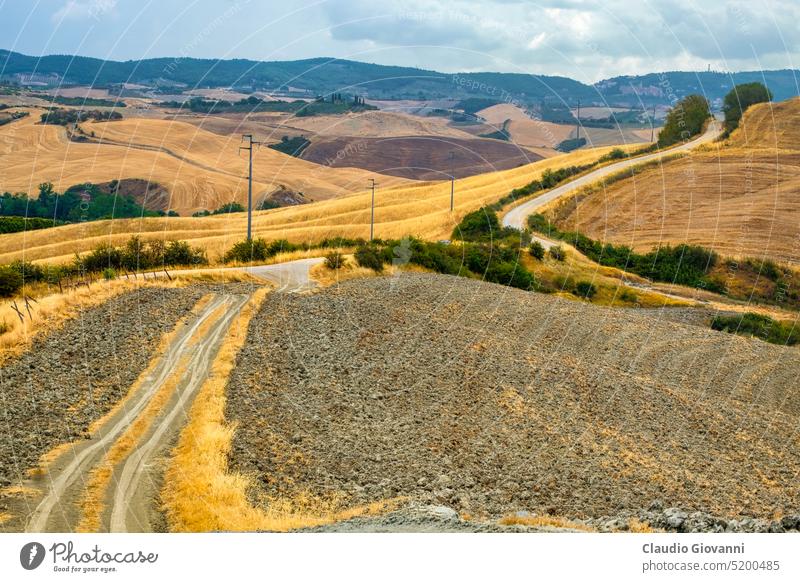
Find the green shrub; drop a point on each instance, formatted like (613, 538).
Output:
(138, 255)
(511, 274)
(558, 253)
(628, 296)
(335, 260)
(248, 250)
(258, 250)
(9, 224)
(685, 119)
(683, 264)
(739, 99)
(10, 281)
(340, 242)
(585, 289)
(109, 274)
(180, 252)
(615, 154)
(369, 257)
(229, 208)
(268, 205)
(760, 326)
(482, 224)
(536, 250)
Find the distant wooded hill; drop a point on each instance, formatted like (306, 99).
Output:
(322, 76)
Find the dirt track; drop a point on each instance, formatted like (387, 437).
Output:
(491, 401)
(133, 487)
(70, 378)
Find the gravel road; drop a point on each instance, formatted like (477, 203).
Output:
(490, 401)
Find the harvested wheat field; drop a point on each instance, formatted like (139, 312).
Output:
(367, 124)
(536, 133)
(202, 170)
(599, 136)
(491, 401)
(421, 209)
(739, 199)
(375, 124)
(769, 126)
(497, 114)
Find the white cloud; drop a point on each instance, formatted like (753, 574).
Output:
(81, 10)
(583, 39)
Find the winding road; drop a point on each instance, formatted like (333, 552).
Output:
(128, 498)
(517, 216)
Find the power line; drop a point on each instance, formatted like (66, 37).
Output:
(249, 149)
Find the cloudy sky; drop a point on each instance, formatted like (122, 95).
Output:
(584, 39)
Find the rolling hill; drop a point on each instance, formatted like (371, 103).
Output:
(739, 198)
(325, 75)
(202, 170)
(420, 209)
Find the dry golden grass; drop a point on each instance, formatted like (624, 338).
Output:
(92, 502)
(740, 203)
(374, 124)
(637, 526)
(202, 170)
(544, 521)
(51, 311)
(738, 198)
(201, 494)
(535, 133)
(769, 125)
(421, 209)
(326, 277)
(163, 344)
(497, 114)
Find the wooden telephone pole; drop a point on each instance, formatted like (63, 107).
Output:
(248, 137)
(372, 213)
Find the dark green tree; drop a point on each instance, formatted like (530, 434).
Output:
(685, 120)
(739, 99)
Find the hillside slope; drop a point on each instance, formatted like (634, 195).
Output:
(421, 209)
(491, 400)
(202, 170)
(421, 157)
(739, 198)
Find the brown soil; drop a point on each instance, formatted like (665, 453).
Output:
(492, 400)
(419, 158)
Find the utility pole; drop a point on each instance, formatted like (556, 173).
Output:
(578, 118)
(452, 182)
(372, 213)
(249, 147)
(653, 124)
